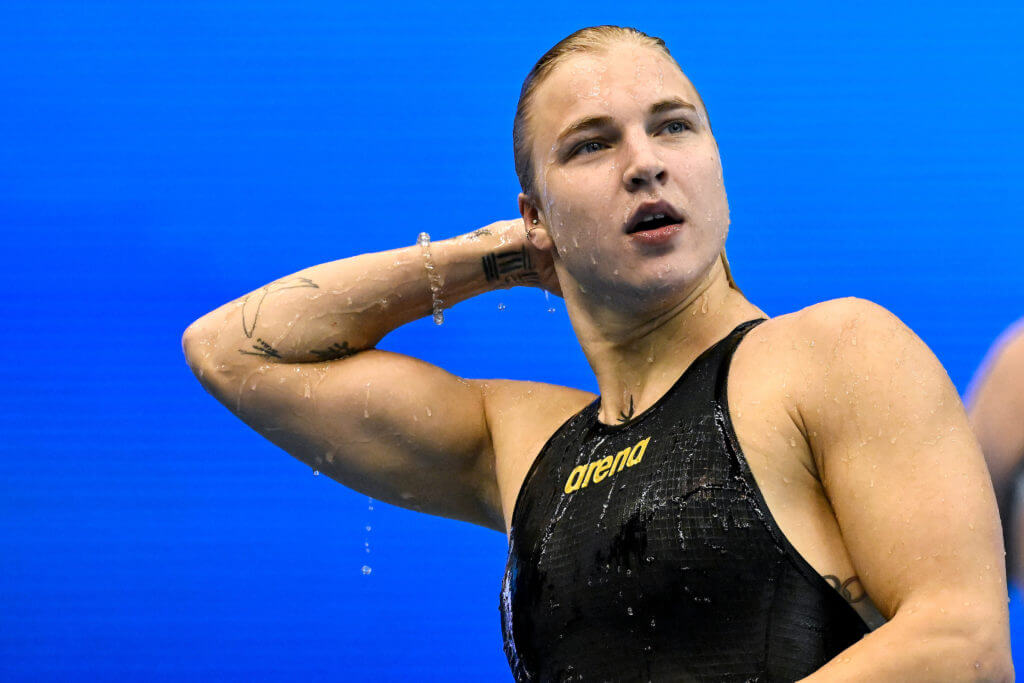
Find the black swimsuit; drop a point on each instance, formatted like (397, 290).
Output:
(645, 551)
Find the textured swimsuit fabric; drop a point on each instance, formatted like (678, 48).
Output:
(661, 561)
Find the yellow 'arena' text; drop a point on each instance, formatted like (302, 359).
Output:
(607, 466)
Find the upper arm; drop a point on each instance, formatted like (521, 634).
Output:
(900, 466)
(996, 405)
(387, 425)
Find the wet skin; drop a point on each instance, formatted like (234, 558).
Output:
(851, 427)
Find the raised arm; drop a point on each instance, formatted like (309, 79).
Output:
(912, 497)
(295, 361)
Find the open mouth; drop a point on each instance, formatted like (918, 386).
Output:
(658, 220)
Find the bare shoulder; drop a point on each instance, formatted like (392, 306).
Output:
(846, 359)
(837, 320)
(522, 416)
(848, 333)
(843, 335)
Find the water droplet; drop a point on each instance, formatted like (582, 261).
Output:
(367, 527)
(501, 307)
(366, 570)
(551, 310)
(629, 611)
(316, 473)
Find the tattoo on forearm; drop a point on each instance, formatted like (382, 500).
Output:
(531, 277)
(851, 589)
(624, 415)
(253, 302)
(500, 264)
(335, 351)
(261, 348)
(482, 232)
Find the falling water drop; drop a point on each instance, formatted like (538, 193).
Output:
(501, 307)
(551, 310)
(366, 570)
(316, 473)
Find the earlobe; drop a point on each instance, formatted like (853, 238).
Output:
(536, 231)
(539, 237)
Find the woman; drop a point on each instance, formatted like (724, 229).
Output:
(745, 491)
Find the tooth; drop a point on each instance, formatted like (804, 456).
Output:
(647, 218)
(659, 215)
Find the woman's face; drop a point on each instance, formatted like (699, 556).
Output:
(617, 135)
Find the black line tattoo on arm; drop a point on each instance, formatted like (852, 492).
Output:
(851, 589)
(625, 416)
(335, 352)
(514, 267)
(253, 302)
(261, 348)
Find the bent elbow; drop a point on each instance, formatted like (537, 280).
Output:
(987, 651)
(993, 662)
(198, 345)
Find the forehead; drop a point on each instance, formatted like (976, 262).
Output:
(605, 83)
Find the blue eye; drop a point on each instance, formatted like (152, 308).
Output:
(677, 126)
(588, 147)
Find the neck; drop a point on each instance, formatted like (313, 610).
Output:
(636, 357)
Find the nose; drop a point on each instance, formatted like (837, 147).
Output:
(644, 168)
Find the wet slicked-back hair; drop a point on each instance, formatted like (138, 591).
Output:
(586, 40)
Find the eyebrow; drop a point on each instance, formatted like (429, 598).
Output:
(588, 122)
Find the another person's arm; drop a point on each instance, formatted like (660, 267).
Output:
(295, 361)
(912, 496)
(995, 405)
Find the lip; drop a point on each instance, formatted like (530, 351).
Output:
(651, 209)
(658, 236)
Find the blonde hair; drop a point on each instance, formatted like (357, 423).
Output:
(586, 40)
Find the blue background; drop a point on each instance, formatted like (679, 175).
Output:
(159, 159)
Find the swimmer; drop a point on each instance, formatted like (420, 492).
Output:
(995, 405)
(745, 499)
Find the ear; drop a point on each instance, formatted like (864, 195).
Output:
(536, 228)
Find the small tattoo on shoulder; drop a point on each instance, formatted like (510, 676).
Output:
(261, 348)
(851, 589)
(627, 415)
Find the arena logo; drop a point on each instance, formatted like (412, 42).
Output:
(607, 466)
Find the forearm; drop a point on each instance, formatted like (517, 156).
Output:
(335, 309)
(926, 645)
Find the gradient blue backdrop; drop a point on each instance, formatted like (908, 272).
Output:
(158, 159)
